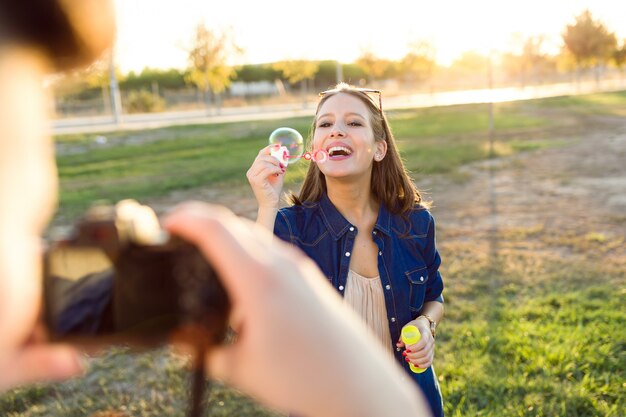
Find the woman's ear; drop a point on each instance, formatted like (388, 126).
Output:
(381, 151)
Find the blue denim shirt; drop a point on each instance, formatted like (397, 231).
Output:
(408, 263)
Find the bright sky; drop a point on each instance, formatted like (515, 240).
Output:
(155, 33)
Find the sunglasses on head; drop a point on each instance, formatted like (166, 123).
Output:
(366, 91)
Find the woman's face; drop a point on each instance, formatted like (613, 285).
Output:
(343, 129)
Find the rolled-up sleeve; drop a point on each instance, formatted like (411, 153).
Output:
(434, 286)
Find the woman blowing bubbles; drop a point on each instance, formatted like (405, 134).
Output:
(361, 219)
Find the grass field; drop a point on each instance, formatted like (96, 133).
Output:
(151, 163)
(535, 315)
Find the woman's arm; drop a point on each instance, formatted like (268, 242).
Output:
(432, 309)
(266, 177)
(266, 217)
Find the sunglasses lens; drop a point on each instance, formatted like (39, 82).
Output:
(365, 91)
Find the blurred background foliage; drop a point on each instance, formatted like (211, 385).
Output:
(589, 51)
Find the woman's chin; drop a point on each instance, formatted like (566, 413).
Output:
(345, 175)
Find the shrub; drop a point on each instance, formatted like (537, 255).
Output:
(143, 101)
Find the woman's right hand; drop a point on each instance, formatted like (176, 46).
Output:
(266, 177)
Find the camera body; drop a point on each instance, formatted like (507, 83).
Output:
(118, 278)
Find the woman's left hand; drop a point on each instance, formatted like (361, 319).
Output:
(423, 352)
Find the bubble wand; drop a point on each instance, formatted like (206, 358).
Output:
(288, 147)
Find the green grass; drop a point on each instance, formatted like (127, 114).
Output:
(549, 345)
(460, 120)
(602, 103)
(139, 385)
(153, 163)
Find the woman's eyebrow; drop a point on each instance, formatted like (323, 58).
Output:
(347, 114)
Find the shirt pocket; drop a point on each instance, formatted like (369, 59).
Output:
(417, 278)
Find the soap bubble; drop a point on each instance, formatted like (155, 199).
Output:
(291, 139)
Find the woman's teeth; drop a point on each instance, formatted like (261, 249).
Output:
(339, 150)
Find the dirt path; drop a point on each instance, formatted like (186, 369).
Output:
(580, 186)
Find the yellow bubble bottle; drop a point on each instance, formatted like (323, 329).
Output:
(410, 336)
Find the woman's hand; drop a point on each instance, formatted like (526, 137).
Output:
(422, 353)
(266, 177)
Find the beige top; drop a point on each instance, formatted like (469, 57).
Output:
(366, 297)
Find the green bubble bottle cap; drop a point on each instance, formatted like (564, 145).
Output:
(410, 336)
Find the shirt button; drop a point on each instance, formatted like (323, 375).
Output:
(380, 253)
(393, 319)
(422, 279)
(374, 232)
(387, 287)
(347, 253)
(351, 228)
(341, 288)
(398, 349)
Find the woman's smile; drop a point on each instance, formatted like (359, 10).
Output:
(338, 151)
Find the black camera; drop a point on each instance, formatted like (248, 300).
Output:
(118, 278)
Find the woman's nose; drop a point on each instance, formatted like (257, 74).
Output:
(336, 131)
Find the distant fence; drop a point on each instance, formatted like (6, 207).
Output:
(265, 93)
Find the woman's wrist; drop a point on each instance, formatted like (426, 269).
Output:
(266, 216)
(267, 211)
(428, 322)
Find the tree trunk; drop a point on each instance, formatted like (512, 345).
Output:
(218, 103)
(106, 100)
(206, 95)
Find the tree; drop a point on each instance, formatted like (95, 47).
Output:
(208, 60)
(619, 55)
(589, 41)
(297, 71)
(372, 66)
(418, 64)
(257, 72)
(165, 78)
(530, 61)
(469, 70)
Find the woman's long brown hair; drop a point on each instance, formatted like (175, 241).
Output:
(391, 183)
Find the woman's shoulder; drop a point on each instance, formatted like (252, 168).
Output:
(416, 221)
(418, 211)
(299, 212)
(307, 207)
(303, 222)
(421, 211)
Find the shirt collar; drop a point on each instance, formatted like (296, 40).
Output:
(383, 222)
(338, 225)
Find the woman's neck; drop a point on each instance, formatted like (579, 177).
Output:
(354, 201)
